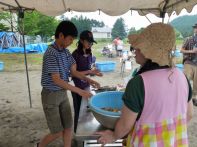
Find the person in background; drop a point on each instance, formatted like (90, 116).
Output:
(157, 98)
(58, 63)
(85, 64)
(189, 50)
(120, 46)
(115, 43)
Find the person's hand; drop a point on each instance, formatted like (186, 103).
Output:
(194, 50)
(106, 136)
(99, 74)
(96, 72)
(93, 83)
(85, 94)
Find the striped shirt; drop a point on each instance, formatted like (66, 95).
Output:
(56, 61)
(189, 44)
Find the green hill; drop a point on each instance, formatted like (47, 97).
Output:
(184, 24)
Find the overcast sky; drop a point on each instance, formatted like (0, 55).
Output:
(131, 20)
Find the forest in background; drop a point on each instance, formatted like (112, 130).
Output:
(36, 23)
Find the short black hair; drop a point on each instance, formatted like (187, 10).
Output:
(67, 28)
(132, 49)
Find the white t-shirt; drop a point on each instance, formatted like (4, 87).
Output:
(120, 45)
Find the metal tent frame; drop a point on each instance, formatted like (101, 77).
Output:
(21, 11)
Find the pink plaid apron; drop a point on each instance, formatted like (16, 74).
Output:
(163, 121)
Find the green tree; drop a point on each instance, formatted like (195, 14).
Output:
(178, 34)
(184, 24)
(95, 23)
(3, 27)
(118, 29)
(140, 30)
(31, 23)
(47, 26)
(132, 31)
(83, 23)
(6, 17)
(36, 23)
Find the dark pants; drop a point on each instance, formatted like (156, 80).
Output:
(77, 104)
(116, 50)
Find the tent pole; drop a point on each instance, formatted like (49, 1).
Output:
(21, 24)
(11, 23)
(21, 30)
(27, 73)
(146, 17)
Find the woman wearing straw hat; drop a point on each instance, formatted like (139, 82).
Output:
(157, 101)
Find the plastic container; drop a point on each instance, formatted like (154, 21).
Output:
(180, 66)
(128, 65)
(110, 99)
(106, 66)
(177, 53)
(1, 66)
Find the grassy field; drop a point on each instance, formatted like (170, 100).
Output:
(179, 42)
(15, 62)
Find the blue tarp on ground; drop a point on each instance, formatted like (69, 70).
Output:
(177, 53)
(30, 48)
(11, 42)
(10, 39)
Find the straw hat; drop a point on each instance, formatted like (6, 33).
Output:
(155, 42)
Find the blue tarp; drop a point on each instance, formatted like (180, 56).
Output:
(11, 42)
(10, 39)
(177, 53)
(2, 34)
(30, 48)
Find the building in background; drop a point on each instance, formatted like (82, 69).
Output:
(101, 33)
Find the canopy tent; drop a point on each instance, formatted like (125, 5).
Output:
(110, 7)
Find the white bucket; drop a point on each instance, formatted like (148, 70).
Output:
(128, 65)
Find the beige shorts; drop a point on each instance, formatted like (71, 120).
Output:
(191, 73)
(57, 110)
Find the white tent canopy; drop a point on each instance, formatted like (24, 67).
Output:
(110, 7)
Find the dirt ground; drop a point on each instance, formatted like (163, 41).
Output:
(22, 126)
